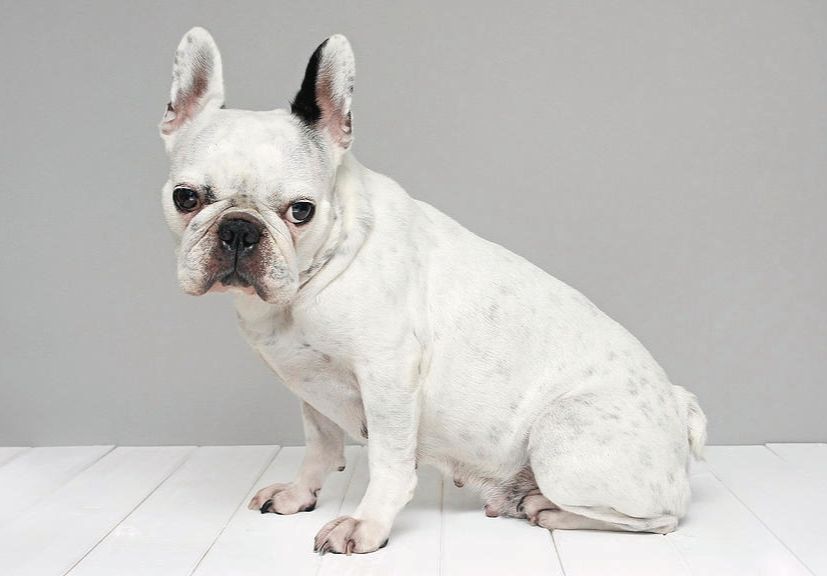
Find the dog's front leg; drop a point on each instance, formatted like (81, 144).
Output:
(390, 399)
(324, 453)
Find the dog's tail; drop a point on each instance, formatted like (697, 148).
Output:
(695, 420)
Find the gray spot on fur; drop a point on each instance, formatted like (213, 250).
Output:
(575, 423)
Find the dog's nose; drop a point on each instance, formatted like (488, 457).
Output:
(238, 234)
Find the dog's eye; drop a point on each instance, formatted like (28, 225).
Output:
(300, 212)
(186, 199)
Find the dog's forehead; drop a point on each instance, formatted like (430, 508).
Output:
(239, 145)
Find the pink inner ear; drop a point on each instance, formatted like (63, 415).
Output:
(335, 119)
(187, 103)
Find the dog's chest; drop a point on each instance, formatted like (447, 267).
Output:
(308, 364)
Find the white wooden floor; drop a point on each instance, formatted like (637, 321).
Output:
(99, 510)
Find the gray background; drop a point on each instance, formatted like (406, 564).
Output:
(666, 158)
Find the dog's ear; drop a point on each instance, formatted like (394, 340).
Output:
(197, 81)
(323, 102)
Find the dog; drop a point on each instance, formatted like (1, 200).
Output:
(399, 328)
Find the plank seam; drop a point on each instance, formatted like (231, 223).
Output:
(24, 450)
(67, 480)
(235, 510)
(795, 465)
(89, 465)
(757, 517)
(443, 479)
(557, 551)
(768, 447)
(45, 495)
(175, 468)
(679, 554)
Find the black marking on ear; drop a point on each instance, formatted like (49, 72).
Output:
(304, 105)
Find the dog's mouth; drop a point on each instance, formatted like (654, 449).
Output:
(236, 278)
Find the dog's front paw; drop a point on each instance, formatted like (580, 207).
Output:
(283, 499)
(346, 535)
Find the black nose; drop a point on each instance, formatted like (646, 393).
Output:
(238, 234)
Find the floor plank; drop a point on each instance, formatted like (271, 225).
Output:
(591, 553)
(256, 544)
(810, 458)
(791, 503)
(8, 453)
(50, 537)
(476, 545)
(39, 472)
(172, 529)
(414, 545)
(721, 537)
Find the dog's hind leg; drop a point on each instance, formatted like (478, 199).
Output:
(607, 469)
(510, 497)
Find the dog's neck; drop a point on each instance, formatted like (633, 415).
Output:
(349, 225)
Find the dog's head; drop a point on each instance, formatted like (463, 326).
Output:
(249, 195)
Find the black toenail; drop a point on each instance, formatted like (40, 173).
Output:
(520, 506)
(265, 508)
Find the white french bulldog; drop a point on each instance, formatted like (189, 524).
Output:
(392, 322)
